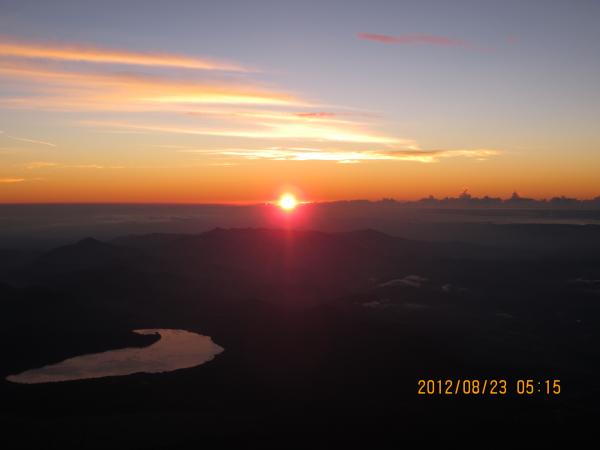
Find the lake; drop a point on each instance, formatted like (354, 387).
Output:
(176, 349)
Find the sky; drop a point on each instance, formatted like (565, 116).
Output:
(238, 101)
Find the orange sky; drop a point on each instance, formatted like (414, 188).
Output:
(87, 119)
(264, 181)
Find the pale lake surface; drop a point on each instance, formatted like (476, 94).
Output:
(176, 349)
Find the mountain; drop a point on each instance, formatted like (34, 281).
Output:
(269, 262)
(294, 266)
(328, 330)
(86, 254)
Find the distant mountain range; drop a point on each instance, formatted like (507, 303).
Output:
(276, 263)
(331, 326)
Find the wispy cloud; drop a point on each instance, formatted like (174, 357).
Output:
(93, 54)
(30, 141)
(410, 280)
(76, 90)
(412, 39)
(268, 130)
(179, 148)
(40, 165)
(10, 180)
(89, 166)
(201, 103)
(46, 165)
(393, 149)
(318, 115)
(352, 157)
(285, 116)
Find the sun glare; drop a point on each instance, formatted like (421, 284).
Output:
(287, 202)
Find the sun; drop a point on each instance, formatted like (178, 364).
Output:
(287, 202)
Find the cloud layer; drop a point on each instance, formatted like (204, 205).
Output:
(170, 99)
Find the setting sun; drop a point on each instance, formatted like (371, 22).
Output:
(287, 202)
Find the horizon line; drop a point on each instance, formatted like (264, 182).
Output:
(461, 198)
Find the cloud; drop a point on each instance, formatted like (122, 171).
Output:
(76, 90)
(407, 149)
(39, 165)
(89, 166)
(91, 54)
(410, 280)
(450, 288)
(318, 115)
(431, 156)
(177, 147)
(372, 304)
(30, 141)
(268, 130)
(10, 180)
(411, 39)
(285, 116)
(45, 165)
(198, 104)
(353, 157)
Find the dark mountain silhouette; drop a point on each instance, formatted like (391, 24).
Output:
(324, 331)
(296, 266)
(86, 254)
(267, 263)
(152, 241)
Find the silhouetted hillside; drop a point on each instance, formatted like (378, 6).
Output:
(88, 253)
(327, 330)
